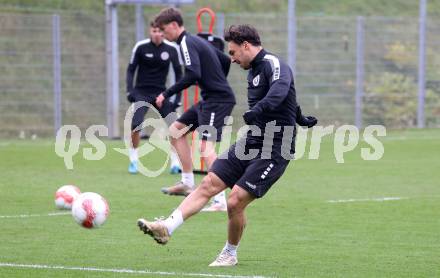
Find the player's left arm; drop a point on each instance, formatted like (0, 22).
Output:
(279, 77)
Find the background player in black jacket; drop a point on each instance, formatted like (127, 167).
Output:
(271, 98)
(207, 67)
(151, 58)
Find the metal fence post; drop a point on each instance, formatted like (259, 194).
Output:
(56, 44)
(359, 71)
(422, 67)
(140, 23)
(220, 24)
(291, 35)
(112, 52)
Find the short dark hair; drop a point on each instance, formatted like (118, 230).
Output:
(153, 24)
(169, 15)
(241, 33)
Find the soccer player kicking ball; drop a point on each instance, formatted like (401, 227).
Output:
(151, 58)
(271, 97)
(208, 67)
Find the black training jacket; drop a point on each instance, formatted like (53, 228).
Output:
(271, 91)
(153, 64)
(206, 66)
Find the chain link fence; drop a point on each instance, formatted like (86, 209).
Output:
(326, 69)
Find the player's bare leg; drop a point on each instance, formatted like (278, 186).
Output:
(175, 166)
(238, 200)
(210, 186)
(207, 150)
(134, 157)
(183, 150)
(186, 185)
(181, 145)
(161, 230)
(135, 139)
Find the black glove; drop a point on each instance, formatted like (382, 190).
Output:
(249, 117)
(130, 97)
(308, 121)
(176, 105)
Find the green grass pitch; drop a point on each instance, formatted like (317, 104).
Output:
(292, 232)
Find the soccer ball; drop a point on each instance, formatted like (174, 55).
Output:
(65, 196)
(90, 210)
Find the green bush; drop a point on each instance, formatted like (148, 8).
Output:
(391, 99)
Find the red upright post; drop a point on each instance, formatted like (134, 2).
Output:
(196, 89)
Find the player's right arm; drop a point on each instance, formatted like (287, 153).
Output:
(177, 63)
(131, 69)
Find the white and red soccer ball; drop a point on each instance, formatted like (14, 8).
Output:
(90, 210)
(66, 195)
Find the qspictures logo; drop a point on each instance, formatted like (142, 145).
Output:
(293, 140)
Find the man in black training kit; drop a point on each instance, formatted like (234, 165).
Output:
(208, 67)
(151, 57)
(271, 97)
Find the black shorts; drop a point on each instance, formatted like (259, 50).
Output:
(208, 118)
(140, 113)
(255, 175)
